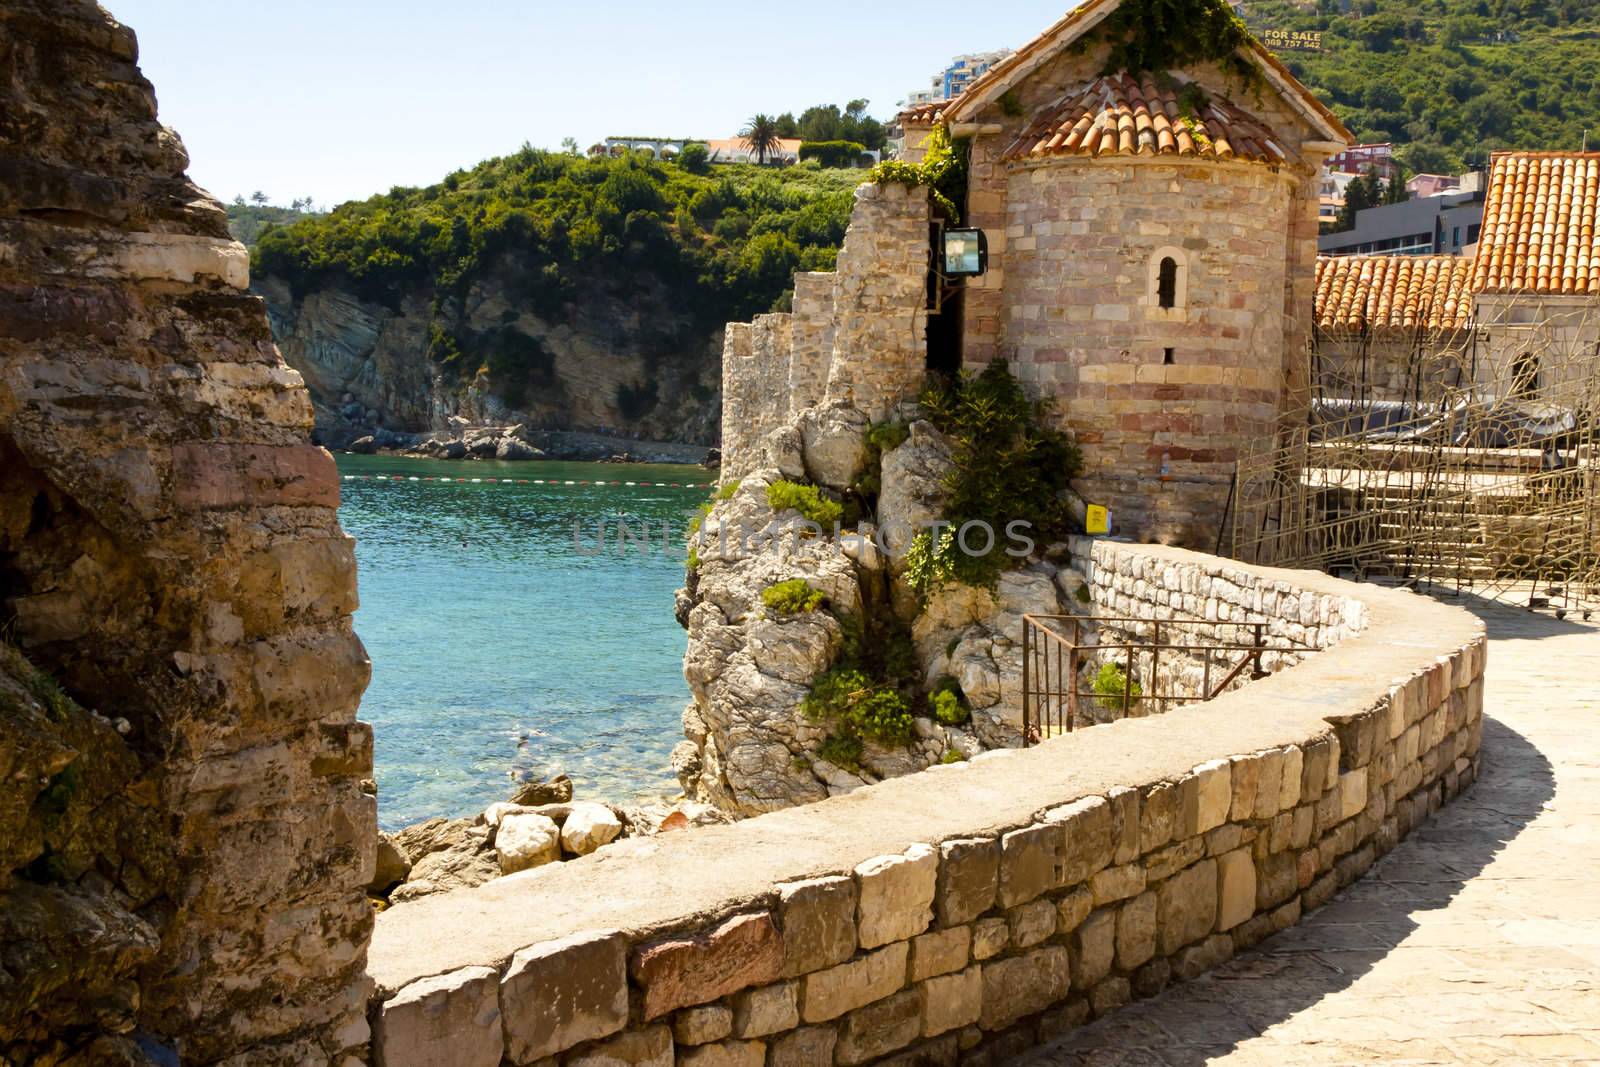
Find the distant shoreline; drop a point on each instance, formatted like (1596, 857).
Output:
(541, 446)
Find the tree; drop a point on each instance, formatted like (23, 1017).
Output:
(1363, 192)
(569, 145)
(259, 198)
(695, 158)
(787, 127)
(760, 135)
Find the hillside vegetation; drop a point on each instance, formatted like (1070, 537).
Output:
(723, 244)
(1450, 80)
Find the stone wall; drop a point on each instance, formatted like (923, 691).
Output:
(975, 909)
(856, 336)
(1159, 399)
(170, 555)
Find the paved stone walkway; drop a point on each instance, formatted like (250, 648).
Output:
(1475, 941)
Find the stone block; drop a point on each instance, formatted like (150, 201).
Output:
(878, 1029)
(1352, 793)
(808, 1046)
(1236, 888)
(1314, 759)
(1095, 949)
(1187, 906)
(1152, 978)
(1110, 995)
(1030, 863)
(829, 994)
(1158, 815)
(1089, 837)
(1117, 883)
(745, 950)
(559, 994)
(1136, 930)
(1124, 803)
(1246, 776)
(1289, 787)
(940, 952)
(1197, 959)
(702, 1025)
(895, 896)
(952, 1001)
(767, 1010)
(1023, 985)
(526, 840)
(449, 1021)
(650, 1047)
(1213, 796)
(1072, 909)
(969, 876)
(1173, 858)
(1031, 923)
(818, 919)
(725, 1054)
(1277, 879)
(990, 937)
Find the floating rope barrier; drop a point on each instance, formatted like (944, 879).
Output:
(392, 478)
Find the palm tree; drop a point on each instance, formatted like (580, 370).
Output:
(760, 135)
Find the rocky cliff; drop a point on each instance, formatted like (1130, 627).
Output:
(630, 363)
(184, 836)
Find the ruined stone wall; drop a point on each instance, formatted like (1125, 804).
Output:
(1159, 399)
(170, 554)
(856, 336)
(1391, 366)
(880, 301)
(980, 906)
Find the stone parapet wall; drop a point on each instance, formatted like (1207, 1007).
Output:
(812, 339)
(972, 910)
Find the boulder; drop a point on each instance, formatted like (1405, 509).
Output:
(392, 869)
(835, 444)
(525, 841)
(557, 790)
(588, 827)
(784, 449)
(912, 494)
(364, 446)
(452, 450)
(445, 872)
(512, 449)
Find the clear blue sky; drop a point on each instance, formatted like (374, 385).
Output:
(343, 99)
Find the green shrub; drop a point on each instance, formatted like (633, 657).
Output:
(1110, 685)
(943, 172)
(887, 436)
(793, 597)
(948, 703)
(952, 756)
(833, 153)
(858, 706)
(807, 500)
(842, 752)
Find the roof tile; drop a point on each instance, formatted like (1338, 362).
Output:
(1541, 224)
(1394, 293)
(1122, 115)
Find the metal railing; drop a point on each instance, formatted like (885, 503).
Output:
(1056, 649)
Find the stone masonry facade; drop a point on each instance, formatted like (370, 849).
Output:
(170, 553)
(1026, 892)
(855, 337)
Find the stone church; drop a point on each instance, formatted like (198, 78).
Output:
(1152, 257)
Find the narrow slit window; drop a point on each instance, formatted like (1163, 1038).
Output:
(1167, 283)
(1168, 356)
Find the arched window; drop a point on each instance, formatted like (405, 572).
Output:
(1525, 376)
(1167, 283)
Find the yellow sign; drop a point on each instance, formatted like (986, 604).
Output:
(1291, 40)
(1097, 520)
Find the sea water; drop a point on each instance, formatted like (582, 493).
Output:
(503, 645)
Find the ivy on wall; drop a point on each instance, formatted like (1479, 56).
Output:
(1156, 36)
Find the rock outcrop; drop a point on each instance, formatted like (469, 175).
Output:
(183, 876)
(369, 369)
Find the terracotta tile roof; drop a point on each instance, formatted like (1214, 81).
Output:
(1394, 293)
(1121, 115)
(930, 114)
(1541, 224)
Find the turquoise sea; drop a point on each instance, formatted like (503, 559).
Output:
(499, 646)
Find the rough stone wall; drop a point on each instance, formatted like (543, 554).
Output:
(170, 553)
(880, 301)
(975, 909)
(1160, 400)
(811, 345)
(855, 339)
(1387, 366)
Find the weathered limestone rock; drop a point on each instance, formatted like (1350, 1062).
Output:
(1096, 944)
(1188, 906)
(829, 994)
(391, 868)
(1236, 884)
(913, 483)
(588, 827)
(805, 1047)
(834, 438)
(1030, 862)
(896, 895)
(561, 993)
(940, 952)
(557, 790)
(952, 1001)
(744, 951)
(449, 1021)
(702, 1025)
(525, 841)
(969, 876)
(767, 1010)
(179, 567)
(1136, 930)
(726, 1054)
(879, 1029)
